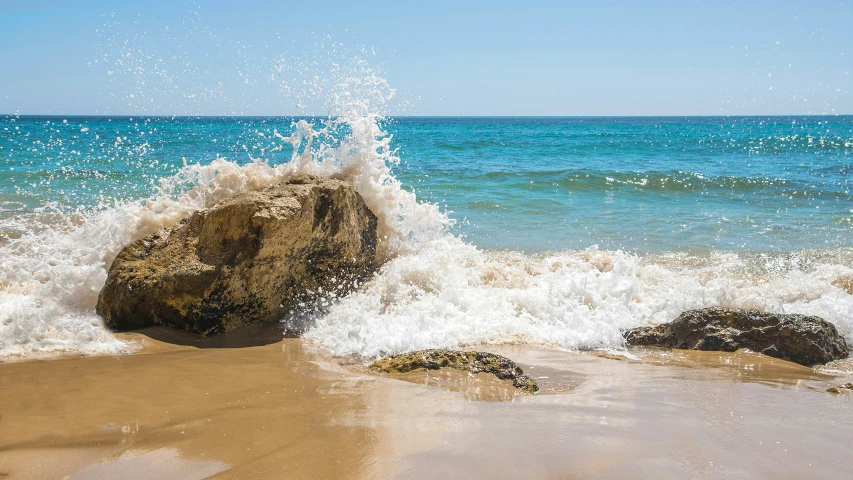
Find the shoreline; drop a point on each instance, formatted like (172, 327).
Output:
(189, 407)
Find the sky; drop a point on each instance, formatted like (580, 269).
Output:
(256, 57)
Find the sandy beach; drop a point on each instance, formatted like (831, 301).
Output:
(257, 406)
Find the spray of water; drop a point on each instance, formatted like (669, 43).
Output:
(52, 274)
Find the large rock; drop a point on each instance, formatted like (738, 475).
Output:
(474, 362)
(250, 259)
(797, 338)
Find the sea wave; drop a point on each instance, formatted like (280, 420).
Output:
(53, 262)
(656, 181)
(451, 294)
(435, 289)
(783, 143)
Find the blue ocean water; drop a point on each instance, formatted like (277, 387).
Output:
(641, 184)
(562, 232)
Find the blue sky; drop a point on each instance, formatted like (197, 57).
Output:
(443, 58)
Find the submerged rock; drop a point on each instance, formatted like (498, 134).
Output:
(474, 362)
(844, 283)
(797, 338)
(608, 355)
(250, 259)
(840, 388)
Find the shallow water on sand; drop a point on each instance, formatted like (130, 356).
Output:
(284, 408)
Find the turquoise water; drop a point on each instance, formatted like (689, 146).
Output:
(640, 184)
(552, 231)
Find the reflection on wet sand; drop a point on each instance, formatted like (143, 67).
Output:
(162, 463)
(277, 408)
(263, 411)
(699, 416)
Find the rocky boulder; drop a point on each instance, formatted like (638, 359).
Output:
(474, 362)
(250, 259)
(797, 338)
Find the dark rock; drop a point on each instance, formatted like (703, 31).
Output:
(797, 338)
(474, 362)
(248, 260)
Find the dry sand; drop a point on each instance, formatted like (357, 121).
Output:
(256, 406)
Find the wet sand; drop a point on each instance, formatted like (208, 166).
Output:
(257, 406)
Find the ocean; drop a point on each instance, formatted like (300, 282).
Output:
(548, 231)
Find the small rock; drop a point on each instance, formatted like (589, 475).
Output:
(840, 388)
(798, 338)
(474, 362)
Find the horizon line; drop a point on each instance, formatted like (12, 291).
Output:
(124, 115)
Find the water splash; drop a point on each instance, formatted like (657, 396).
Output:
(53, 272)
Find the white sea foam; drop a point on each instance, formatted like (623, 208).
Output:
(450, 294)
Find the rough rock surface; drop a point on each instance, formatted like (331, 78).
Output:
(474, 362)
(247, 260)
(797, 338)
